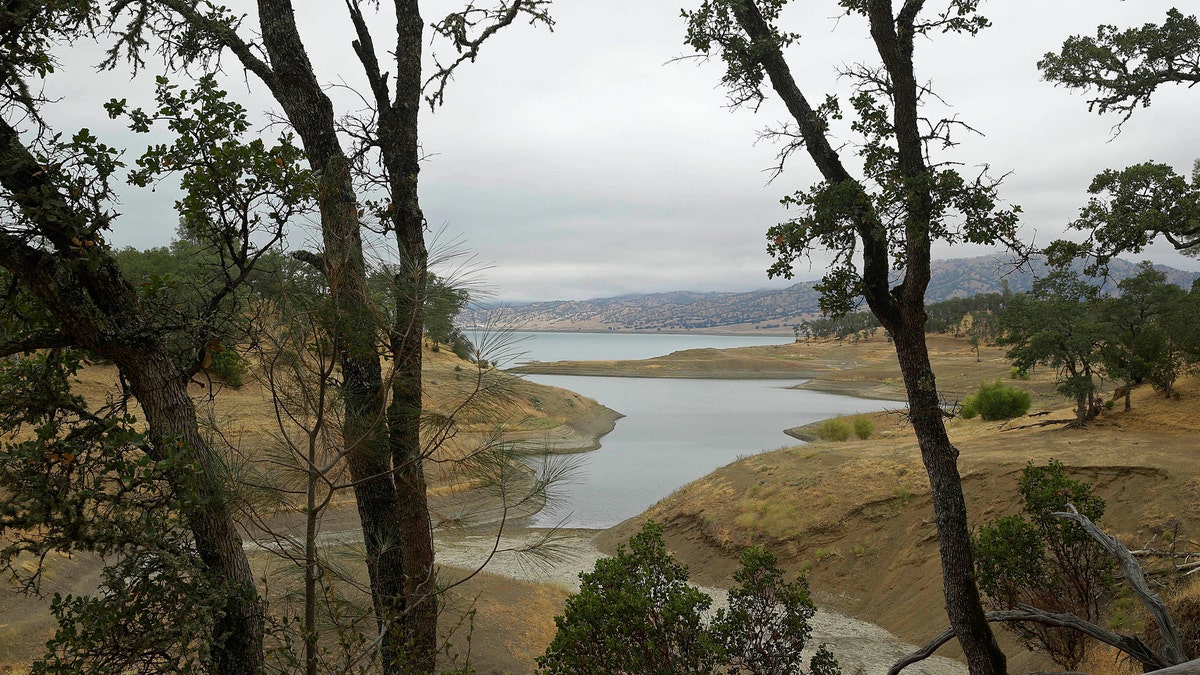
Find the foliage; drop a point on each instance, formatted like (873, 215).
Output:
(834, 429)
(229, 365)
(765, 628)
(1137, 320)
(864, 428)
(82, 482)
(636, 614)
(997, 401)
(1125, 67)
(1130, 208)
(1037, 559)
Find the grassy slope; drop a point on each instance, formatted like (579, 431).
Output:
(857, 515)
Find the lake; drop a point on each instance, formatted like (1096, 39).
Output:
(675, 430)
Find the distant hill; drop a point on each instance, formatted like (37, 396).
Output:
(757, 310)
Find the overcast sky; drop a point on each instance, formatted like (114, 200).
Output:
(589, 162)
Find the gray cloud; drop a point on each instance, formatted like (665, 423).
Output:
(584, 162)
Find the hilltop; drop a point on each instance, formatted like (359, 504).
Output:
(769, 310)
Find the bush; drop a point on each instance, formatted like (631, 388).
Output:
(997, 401)
(1037, 559)
(229, 367)
(968, 411)
(834, 429)
(864, 428)
(635, 614)
(1017, 373)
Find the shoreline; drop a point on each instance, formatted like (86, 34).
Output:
(581, 433)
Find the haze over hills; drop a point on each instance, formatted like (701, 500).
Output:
(776, 310)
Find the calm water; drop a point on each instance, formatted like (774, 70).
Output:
(674, 431)
(525, 346)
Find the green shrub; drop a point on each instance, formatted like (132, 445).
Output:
(968, 411)
(228, 366)
(1035, 558)
(635, 614)
(1018, 373)
(834, 429)
(997, 401)
(864, 428)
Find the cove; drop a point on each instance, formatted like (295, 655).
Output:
(675, 431)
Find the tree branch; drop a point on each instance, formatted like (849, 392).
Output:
(30, 343)
(1131, 645)
(1172, 644)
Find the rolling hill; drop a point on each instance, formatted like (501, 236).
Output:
(777, 310)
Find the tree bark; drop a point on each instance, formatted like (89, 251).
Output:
(901, 310)
(400, 147)
(940, 457)
(384, 439)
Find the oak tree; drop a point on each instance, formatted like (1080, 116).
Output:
(155, 501)
(888, 214)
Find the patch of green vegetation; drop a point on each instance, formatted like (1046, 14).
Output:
(864, 428)
(996, 401)
(822, 554)
(229, 367)
(834, 429)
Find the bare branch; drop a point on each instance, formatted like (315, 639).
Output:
(458, 25)
(1131, 645)
(1172, 646)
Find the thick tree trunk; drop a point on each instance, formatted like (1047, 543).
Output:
(940, 457)
(157, 385)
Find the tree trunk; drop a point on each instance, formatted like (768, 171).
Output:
(100, 312)
(385, 526)
(400, 147)
(963, 605)
(157, 385)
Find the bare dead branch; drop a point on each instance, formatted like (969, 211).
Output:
(1131, 645)
(1172, 644)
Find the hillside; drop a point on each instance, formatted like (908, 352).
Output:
(776, 310)
(857, 516)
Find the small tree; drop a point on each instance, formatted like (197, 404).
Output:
(635, 614)
(1056, 325)
(1037, 559)
(1134, 319)
(766, 627)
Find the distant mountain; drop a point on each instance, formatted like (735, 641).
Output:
(761, 309)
